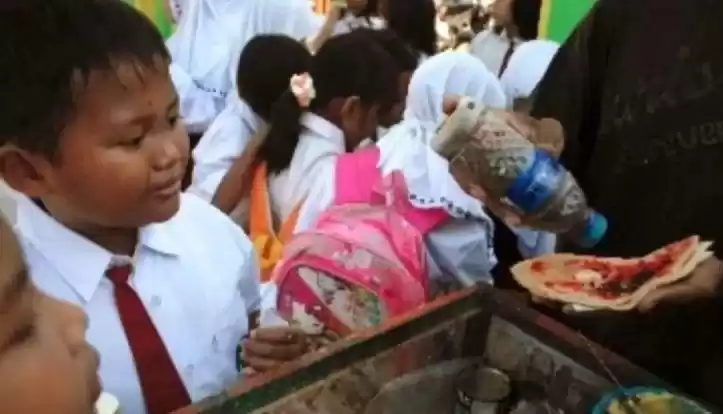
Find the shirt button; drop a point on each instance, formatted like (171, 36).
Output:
(155, 301)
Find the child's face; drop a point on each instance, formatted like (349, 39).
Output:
(122, 156)
(501, 11)
(393, 114)
(358, 121)
(46, 366)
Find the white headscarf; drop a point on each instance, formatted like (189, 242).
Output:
(202, 42)
(293, 18)
(212, 33)
(450, 73)
(526, 68)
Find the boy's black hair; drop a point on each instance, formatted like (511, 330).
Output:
(526, 16)
(414, 21)
(403, 55)
(346, 65)
(265, 67)
(49, 49)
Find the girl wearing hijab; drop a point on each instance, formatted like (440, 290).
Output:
(461, 245)
(527, 66)
(208, 42)
(450, 73)
(460, 74)
(515, 22)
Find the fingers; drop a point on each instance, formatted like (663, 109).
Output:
(257, 364)
(278, 335)
(449, 104)
(674, 294)
(269, 347)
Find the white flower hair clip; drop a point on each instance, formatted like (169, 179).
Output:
(302, 86)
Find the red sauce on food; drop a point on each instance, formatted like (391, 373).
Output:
(538, 266)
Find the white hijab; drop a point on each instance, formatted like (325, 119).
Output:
(212, 33)
(526, 68)
(203, 39)
(293, 18)
(450, 73)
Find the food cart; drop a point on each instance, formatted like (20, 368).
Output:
(411, 365)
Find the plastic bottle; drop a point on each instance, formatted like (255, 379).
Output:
(500, 159)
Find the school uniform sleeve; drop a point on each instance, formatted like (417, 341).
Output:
(570, 91)
(226, 249)
(461, 250)
(533, 243)
(198, 108)
(249, 284)
(223, 142)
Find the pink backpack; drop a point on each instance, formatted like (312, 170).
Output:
(365, 259)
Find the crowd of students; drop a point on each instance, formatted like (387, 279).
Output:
(134, 239)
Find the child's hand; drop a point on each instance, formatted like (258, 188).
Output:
(268, 348)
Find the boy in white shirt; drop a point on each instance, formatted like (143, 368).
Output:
(91, 135)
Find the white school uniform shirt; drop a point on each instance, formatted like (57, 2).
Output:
(196, 274)
(224, 141)
(459, 74)
(350, 22)
(491, 48)
(459, 248)
(526, 68)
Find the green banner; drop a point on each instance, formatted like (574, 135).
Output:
(559, 17)
(157, 12)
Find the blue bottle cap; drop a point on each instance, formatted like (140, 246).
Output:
(595, 229)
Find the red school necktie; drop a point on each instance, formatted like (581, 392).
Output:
(163, 389)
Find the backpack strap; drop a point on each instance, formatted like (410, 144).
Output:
(358, 179)
(268, 244)
(356, 176)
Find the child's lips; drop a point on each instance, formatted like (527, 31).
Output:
(168, 188)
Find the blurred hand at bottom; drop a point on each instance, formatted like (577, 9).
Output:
(268, 348)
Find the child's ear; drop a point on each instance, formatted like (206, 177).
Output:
(350, 109)
(23, 171)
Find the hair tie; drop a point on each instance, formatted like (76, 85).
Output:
(302, 86)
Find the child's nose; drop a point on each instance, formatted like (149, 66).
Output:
(168, 155)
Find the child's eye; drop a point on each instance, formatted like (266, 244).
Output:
(135, 142)
(174, 120)
(22, 335)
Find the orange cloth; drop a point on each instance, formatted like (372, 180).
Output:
(268, 244)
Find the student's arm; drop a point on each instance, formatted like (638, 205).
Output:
(327, 30)
(236, 184)
(571, 89)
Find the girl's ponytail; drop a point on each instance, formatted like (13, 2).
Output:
(285, 128)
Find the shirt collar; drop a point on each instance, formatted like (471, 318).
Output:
(80, 262)
(324, 129)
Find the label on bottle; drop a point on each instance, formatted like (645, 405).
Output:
(535, 185)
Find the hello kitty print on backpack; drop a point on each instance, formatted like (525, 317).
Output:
(364, 260)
